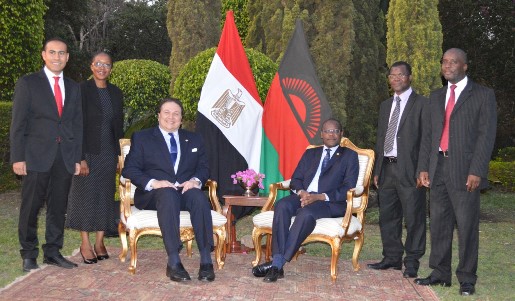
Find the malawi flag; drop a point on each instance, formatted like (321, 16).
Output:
(230, 111)
(295, 109)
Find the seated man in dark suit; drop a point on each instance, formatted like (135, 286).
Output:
(320, 184)
(168, 166)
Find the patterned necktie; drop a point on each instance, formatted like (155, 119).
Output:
(173, 149)
(58, 96)
(444, 142)
(326, 159)
(392, 126)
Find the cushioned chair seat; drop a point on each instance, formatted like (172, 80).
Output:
(148, 219)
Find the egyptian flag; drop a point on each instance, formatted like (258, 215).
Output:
(295, 108)
(230, 111)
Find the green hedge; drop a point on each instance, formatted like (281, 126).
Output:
(502, 169)
(8, 180)
(143, 83)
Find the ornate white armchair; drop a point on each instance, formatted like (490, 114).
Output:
(333, 231)
(137, 222)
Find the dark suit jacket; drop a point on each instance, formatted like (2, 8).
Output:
(413, 127)
(92, 114)
(36, 126)
(471, 134)
(149, 158)
(340, 175)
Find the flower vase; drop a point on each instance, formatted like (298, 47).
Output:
(248, 189)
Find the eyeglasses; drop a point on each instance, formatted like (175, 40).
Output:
(398, 76)
(332, 131)
(99, 65)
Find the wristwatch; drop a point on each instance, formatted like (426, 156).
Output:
(197, 180)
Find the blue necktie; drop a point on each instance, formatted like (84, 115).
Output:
(326, 159)
(173, 149)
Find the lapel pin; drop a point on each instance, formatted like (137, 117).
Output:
(186, 140)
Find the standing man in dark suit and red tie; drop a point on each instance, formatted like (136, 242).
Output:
(168, 166)
(46, 141)
(455, 166)
(402, 125)
(320, 184)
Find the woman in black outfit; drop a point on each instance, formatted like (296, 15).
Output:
(91, 206)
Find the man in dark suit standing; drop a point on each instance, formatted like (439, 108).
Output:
(455, 166)
(402, 124)
(46, 141)
(168, 166)
(320, 184)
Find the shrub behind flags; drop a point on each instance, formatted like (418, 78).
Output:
(295, 108)
(230, 111)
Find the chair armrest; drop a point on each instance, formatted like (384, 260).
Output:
(348, 211)
(272, 195)
(213, 198)
(124, 189)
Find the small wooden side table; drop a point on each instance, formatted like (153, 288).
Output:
(234, 246)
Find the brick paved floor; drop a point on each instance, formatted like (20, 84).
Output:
(305, 279)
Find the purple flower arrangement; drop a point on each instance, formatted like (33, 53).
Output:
(248, 178)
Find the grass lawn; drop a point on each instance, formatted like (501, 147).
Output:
(496, 273)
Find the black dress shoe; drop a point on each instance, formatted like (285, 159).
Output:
(383, 265)
(410, 272)
(467, 289)
(260, 270)
(206, 272)
(30, 264)
(60, 261)
(177, 273)
(431, 281)
(273, 274)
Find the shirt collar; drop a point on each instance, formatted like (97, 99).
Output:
(51, 75)
(404, 96)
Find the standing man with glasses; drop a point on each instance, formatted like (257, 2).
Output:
(319, 189)
(402, 126)
(168, 166)
(46, 142)
(454, 165)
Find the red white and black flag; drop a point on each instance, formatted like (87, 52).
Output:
(295, 108)
(230, 111)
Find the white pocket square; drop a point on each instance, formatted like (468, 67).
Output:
(194, 150)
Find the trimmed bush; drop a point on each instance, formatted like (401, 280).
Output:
(144, 83)
(502, 169)
(191, 78)
(8, 180)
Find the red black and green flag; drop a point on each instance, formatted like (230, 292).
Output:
(294, 110)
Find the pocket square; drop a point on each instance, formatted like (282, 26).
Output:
(194, 150)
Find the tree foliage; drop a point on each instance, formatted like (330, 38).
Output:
(414, 35)
(193, 26)
(143, 83)
(21, 40)
(138, 31)
(190, 80)
(344, 41)
(484, 29)
(241, 16)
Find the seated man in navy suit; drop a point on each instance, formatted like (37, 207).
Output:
(319, 185)
(168, 166)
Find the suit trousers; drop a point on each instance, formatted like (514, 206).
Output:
(37, 187)
(286, 240)
(450, 206)
(169, 202)
(398, 202)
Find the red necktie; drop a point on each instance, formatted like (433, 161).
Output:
(58, 96)
(444, 142)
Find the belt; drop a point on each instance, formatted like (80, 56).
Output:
(391, 159)
(444, 153)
